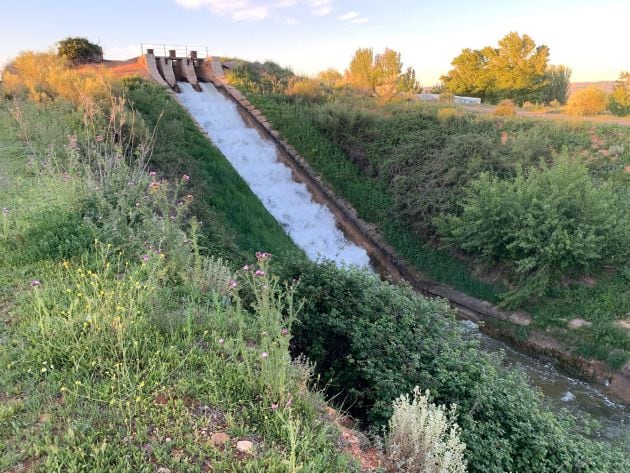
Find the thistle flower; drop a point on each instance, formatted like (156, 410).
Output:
(221, 341)
(154, 186)
(232, 284)
(262, 256)
(264, 355)
(152, 173)
(35, 283)
(259, 272)
(284, 332)
(185, 178)
(274, 406)
(246, 268)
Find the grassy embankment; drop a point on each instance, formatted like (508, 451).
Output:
(401, 165)
(124, 345)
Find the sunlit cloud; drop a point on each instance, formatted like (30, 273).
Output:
(292, 21)
(360, 20)
(348, 16)
(258, 10)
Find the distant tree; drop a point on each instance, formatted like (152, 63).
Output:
(79, 50)
(514, 70)
(360, 71)
(619, 99)
(407, 82)
(330, 77)
(558, 80)
(381, 73)
(589, 101)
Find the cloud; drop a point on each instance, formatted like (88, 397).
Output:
(258, 10)
(348, 16)
(322, 7)
(360, 20)
(291, 21)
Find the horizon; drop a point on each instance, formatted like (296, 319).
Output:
(312, 35)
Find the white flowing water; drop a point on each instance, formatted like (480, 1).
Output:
(310, 225)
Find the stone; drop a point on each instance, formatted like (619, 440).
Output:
(219, 438)
(578, 323)
(163, 469)
(623, 324)
(245, 446)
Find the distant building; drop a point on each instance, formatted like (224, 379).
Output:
(456, 99)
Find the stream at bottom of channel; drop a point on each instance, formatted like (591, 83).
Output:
(564, 391)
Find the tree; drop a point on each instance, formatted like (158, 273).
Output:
(79, 50)
(619, 99)
(360, 70)
(514, 70)
(330, 77)
(381, 73)
(589, 101)
(558, 79)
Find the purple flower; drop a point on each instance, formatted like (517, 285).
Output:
(152, 173)
(259, 272)
(232, 284)
(246, 267)
(264, 355)
(221, 341)
(274, 406)
(284, 332)
(289, 402)
(145, 257)
(185, 178)
(35, 283)
(262, 256)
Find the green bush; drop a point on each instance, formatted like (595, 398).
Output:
(79, 50)
(546, 222)
(371, 340)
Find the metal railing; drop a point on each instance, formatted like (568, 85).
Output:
(175, 50)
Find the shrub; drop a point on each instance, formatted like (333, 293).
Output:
(423, 437)
(506, 108)
(447, 113)
(446, 97)
(306, 89)
(589, 101)
(545, 222)
(371, 340)
(79, 50)
(619, 99)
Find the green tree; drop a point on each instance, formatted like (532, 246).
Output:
(79, 50)
(360, 70)
(619, 99)
(558, 79)
(330, 77)
(514, 70)
(381, 72)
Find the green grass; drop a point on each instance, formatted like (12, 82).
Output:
(116, 362)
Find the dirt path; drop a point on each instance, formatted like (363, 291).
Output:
(623, 121)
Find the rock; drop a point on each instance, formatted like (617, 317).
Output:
(163, 469)
(578, 323)
(219, 438)
(623, 324)
(245, 446)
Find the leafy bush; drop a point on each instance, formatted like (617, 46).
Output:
(589, 101)
(423, 437)
(619, 99)
(546, 222)
(79, 50)
(306, 89)
(371, 340)
(506, 108)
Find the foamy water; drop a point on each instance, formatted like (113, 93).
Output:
(310, 225)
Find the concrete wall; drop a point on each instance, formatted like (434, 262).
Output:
(165, 67)
(152, 67)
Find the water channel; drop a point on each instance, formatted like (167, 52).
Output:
(313, 228)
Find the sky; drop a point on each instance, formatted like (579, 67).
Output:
(312, 35)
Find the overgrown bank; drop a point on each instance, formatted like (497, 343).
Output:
(405, 166)
(138, 350)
